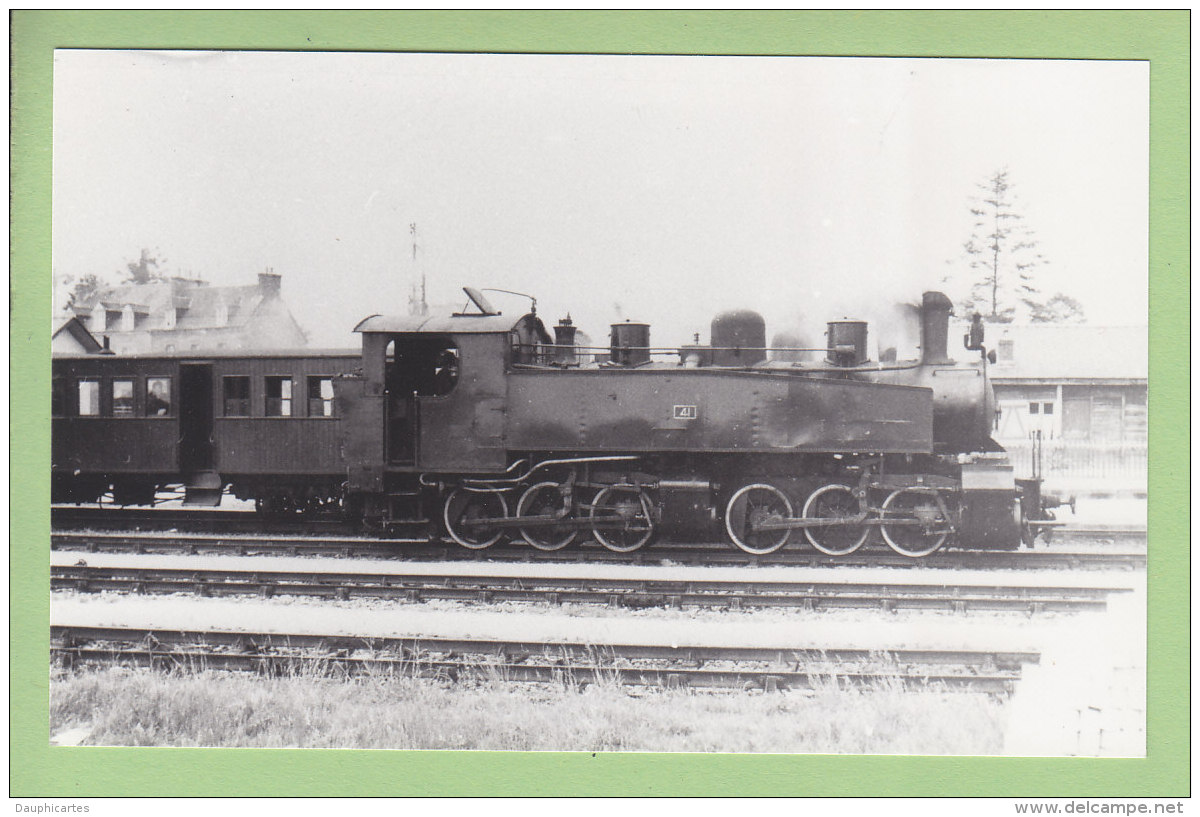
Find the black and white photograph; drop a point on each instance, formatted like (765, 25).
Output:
(604, 403)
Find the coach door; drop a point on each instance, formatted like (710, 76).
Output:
(195, 418)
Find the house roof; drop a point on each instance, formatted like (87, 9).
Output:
(77, 330)
(194, 355)
(198, 304)
(1069, 351)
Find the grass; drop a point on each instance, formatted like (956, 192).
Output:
(129, 707)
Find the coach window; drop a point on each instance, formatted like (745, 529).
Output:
(320, 397)
(279, 397)
(158, 396)
(122, 398)
(89, 398)
(236, 391)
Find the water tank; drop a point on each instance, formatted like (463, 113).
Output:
(630, 344)
(739, 338)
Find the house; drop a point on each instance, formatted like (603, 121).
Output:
(182, 315)
(1071, 381)
(1071, 404)
(72, 338)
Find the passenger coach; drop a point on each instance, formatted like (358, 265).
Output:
(263, 425)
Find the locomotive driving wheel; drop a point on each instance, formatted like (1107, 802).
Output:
(921, 521)
(463, 507)
(625, 512)
(546, 499)
(751, 506)
(835, 502)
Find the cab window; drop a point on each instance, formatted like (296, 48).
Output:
(445, 372)
(428, 366)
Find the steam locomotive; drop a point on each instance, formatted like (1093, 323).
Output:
(480, 427)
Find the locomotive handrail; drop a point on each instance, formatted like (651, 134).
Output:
(661, 350)
(483, 483)
(423, 478)
(548, 349)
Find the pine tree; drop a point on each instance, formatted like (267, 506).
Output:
(1002, 254)
(85, 289)
(146, 269)
(1059, 309)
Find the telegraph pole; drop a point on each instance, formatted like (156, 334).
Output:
(416, 307)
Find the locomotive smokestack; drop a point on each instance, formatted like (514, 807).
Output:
(935, 327)
(564, 341)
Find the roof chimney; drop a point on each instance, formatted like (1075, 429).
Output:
(268, 282)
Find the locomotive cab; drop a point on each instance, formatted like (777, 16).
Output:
(431, 394)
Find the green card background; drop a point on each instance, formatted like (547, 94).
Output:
(36, 769)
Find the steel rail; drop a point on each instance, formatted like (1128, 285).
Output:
(633, 593)
(781, 667)
(65, 517)
(709, 554)
(767, 680)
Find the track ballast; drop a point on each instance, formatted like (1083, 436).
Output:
(740, 668)
(714, 554)
(628, 593)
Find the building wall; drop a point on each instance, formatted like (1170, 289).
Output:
(186, 340)
(64, 343)
(1093, 412)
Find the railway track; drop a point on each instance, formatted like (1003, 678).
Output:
(218, 521)
(746, 667)
(714, 554)
(624, 592)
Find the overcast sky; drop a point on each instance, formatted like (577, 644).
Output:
(662, 189)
